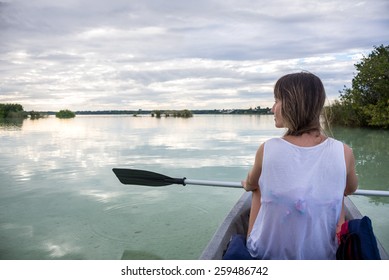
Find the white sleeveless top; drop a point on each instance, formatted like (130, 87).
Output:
(301, 199)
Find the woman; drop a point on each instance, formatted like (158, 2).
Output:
(298, 181)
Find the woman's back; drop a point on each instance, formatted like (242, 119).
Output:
(301, 198)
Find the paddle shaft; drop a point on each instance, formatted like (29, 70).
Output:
(239, 185)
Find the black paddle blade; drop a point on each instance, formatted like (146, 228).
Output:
(145, 178)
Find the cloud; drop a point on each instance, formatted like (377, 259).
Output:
(94, 55)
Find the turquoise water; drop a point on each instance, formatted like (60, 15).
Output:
(59, 198)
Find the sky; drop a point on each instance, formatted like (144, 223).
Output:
(177, 54)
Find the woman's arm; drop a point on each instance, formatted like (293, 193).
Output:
(252, 179)
(351, 179)
(254, 210)
(251, 184)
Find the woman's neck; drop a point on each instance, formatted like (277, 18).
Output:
(308, 139)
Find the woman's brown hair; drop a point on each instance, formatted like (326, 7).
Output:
(302, 98)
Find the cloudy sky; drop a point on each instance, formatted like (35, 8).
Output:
(177, 54)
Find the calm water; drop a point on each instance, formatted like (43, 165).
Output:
(59, 198)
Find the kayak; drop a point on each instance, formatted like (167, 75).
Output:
(236, 222)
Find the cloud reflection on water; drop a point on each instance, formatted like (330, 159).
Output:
(60, 199)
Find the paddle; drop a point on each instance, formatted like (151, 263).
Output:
(148, 178)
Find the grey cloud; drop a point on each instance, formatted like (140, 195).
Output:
(118, 53)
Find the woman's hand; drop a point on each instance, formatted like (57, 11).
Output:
(248, 187)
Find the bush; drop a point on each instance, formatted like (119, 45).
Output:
(65, 114)
(12, 111)
(174, 113)
(366, 103)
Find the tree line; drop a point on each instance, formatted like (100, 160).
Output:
(255, 111)
(366, 103)
(16, 111)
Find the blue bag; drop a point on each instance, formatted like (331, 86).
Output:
(358, 241)
(237, 249)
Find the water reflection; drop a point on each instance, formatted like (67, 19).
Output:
(371, 150)
(60, 250)
(59, 198)
(11, 124)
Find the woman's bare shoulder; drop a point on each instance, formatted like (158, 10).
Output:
(348, 152)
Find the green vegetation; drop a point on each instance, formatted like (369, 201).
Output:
(172, 113)
(366, 103)
(182, 114)
(36, 115)
(12, 111)
(256, 111)
(156, 113)
(65, 114)
(15, 111)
